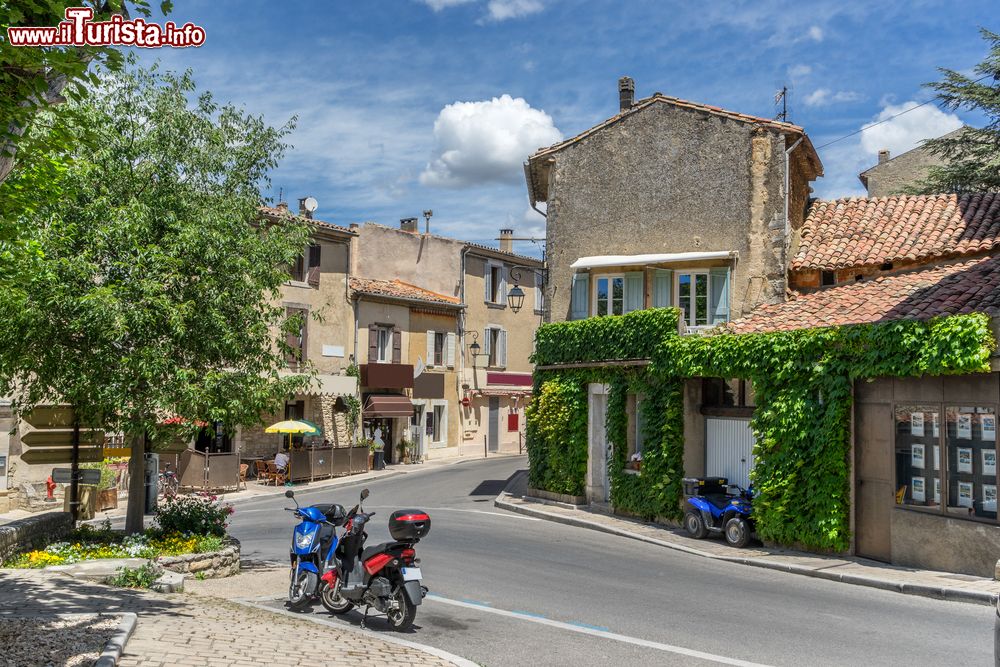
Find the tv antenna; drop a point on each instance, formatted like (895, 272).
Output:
(781, 97)
(427, 221)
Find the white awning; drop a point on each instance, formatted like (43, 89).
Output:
(644, 260)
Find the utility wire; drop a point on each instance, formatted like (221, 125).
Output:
(886, 120)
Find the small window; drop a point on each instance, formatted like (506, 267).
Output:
(496, 280)
(886, 266)
(727, 393)
(438, 435)
(384, 344)
(609, 295)
(829, 278)
(692, 298)
(439, 338)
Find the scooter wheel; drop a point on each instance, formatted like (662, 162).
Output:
(301, 590)
(695, 525)
(334, 602)
(737, 532)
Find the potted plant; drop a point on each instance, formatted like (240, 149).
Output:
(107, 491)
(635, 462)
(370, 444)
(405, 448)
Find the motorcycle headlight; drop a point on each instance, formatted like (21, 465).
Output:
(303, 540)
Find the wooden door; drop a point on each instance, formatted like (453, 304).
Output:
(875, 490)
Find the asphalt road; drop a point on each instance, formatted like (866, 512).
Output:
(512, 590)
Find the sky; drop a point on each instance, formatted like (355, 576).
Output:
(407, 105)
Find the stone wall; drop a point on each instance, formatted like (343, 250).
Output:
(937, 542)
(33, 532)
(211, 565)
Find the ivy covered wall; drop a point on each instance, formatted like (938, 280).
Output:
(803, 384)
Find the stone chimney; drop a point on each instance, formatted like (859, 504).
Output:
(506, 240)
(883, 156)
(303, 211)
(282, 206)
(409, 225)
(626, 93)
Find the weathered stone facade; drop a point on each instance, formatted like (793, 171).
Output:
(894, 175)
(668, 178)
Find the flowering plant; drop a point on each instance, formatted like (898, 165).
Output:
(200, 514)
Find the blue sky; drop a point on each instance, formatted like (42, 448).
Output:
(405, 105)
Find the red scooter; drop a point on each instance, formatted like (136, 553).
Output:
(384, 576)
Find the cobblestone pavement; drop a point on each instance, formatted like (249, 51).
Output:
(192, 630)
(846, 569)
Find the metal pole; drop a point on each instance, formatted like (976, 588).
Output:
(74, 480)
(485, 446)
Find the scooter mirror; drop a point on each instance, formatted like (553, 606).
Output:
(364, 494)
(289, 493)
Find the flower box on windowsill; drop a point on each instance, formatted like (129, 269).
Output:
(632, 471)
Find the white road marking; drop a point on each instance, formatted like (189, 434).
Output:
(595, 632)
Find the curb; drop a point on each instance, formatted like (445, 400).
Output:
(457, 660)
(922, 590)
(116, 645)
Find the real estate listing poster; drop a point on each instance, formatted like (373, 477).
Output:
(935, 431)
(965, 426)
(917, 456)
(937, 456)
(964, 459)
(989, 423)
(989, 461)
(917, 424)
(989, 498)
(965, 494)
(917, 491)
(937, 490)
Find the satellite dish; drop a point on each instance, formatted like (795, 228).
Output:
(310, 204)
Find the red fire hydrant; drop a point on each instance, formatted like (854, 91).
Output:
(50, 486)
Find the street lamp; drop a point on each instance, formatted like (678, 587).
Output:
(475, 347)
(515, 297)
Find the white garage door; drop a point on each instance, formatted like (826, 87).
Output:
(729, 449)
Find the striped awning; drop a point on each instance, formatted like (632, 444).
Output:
(388, 405)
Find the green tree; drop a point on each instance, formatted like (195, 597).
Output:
(972, 156)
(149, 284)
(33, 78)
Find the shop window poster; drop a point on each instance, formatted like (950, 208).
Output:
(935, 431)
(937, 490)
(989, 423)
(989, 498)
(917, 489)
(917, 456)
(964, 459)
(989, 461)
(965, 494)
(917, 424)
(937, 457)
(965, 426)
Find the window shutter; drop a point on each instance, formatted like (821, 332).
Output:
(502, 292)
(539, 303)
(450, 351)
(578, 296)
(430, 349)
(443, 427)
(372, 344)
(397, 345)
(633, 292)
(719, 286)
(304, 345)
(663, 288)
(292, 341)
(314, 261)
(487, 342)
(502, 349)
(488, 282)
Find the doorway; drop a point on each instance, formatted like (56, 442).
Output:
(494, 434)
(874, 494)
(729, 449)
(598, 490)
(380, 429)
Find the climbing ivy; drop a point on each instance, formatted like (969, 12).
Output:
(803, 382)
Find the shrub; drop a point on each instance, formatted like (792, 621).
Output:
(135, 577)
(195, 514)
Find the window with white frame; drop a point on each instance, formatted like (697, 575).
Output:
(609, 295)
(439, 339)
(383, 344)
(693, 297)
(496, 284)
(495, 346)
(440, 424)
(539, 299)
(440, 349)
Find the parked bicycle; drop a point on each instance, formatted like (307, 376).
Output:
(167, 483)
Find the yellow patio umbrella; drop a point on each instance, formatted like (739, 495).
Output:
(291, 426)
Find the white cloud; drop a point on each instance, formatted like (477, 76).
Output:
(907, 131)
(824, 96)
(438, 5)
(483, 142)
(815, 33)
(799, 72)
(501, 10)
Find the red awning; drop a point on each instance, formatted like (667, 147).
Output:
(388, 405)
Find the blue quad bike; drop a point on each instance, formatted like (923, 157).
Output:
(713, 508)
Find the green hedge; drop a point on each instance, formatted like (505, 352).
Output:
(803, 384)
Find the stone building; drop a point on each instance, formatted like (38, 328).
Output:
(894, 175)
(672, 202)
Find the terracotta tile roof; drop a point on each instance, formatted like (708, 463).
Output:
(397, 289)
(275, 212)
(861, 232)
(965, 287)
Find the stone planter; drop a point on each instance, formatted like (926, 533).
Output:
(558, 497)
(210, 565)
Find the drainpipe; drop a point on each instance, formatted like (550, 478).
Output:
(461, 328)
(358, 428)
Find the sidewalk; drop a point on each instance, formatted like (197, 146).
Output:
(846, 569)
(208, 629)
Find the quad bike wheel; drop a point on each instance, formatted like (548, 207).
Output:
(737, 532)
(694, 524)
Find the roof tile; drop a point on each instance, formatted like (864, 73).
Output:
(400, 290)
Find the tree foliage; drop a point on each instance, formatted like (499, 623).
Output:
(971, 157)
(148, 286)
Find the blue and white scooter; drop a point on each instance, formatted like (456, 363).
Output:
(314, 543)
